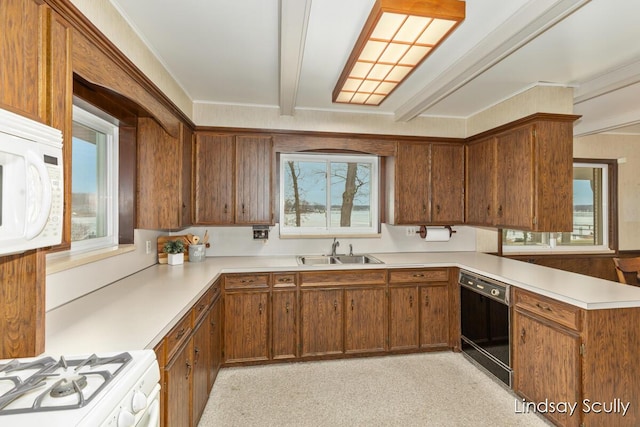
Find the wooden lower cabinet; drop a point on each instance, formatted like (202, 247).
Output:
(562, 353)
(322, 322)
(552, 373)
(365, 320)
(201, 365)
(178, 376)
(246, 332)
(189, 357)
(419, 304)
(215, 340)
(284, 324)
(434, 315)
(404, 318)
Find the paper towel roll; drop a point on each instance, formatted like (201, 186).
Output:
(437, 235)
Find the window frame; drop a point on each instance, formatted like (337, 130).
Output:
(305, 232)
(609, 212)
(88, 116)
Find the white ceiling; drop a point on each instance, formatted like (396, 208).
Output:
(289, 53)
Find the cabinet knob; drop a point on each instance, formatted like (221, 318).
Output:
(335, 305)
(500, 210)
(352, 304)
(410, 300)
(437, 209)
(287, 305)
(523, 334)
(260, 308)
(225, 208)
(424, 208)
(426, 300)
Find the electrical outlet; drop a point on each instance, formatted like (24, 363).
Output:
(410, 231)
(148, 247)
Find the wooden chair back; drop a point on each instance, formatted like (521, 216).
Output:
(628, 270)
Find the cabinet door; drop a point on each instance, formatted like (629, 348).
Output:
(403, 302)
(201, 362)
(447, 184)
(515, 183)
(159, 191)
(284, 330)
(480, 181)
(23, 65)
(546, 365)
(434, 315)
(246, 337)
(186, 136)
(215, 340)
(412, 191)
(365, 320)
(253, 180)
(322, 322)
(214, 183)
(178, 375)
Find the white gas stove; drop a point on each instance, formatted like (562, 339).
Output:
(114, 390)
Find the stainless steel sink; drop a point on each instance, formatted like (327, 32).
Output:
(337, 259)
(317, 260)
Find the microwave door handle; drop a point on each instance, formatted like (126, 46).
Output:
(43, 203)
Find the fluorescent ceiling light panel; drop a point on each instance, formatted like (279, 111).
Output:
(397, 37)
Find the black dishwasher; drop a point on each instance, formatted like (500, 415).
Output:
(484, 323)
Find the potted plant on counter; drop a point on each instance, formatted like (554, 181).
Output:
(175, 251)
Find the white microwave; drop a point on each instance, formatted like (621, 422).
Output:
(31, 184)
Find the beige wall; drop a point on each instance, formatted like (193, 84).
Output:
(625, 148)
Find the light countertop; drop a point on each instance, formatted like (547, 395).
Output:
(137, 311)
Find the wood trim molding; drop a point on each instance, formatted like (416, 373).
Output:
(523, 121)
(96, 45)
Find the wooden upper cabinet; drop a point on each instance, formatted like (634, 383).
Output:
(521, 175)
(214, 186)
(161, 202)
(515, 189)
(412, 190)
(428, 184)
(480, 178)
(233, 179)
(447, 183)
(254, 179)
(23, 64)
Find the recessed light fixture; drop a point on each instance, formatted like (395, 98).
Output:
(397, 37)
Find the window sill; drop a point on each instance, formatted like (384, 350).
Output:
(66, 261)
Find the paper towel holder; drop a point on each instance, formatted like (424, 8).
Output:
(423, 231)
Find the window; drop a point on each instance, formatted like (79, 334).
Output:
(323, 194)
(591, 211)
(94, 182)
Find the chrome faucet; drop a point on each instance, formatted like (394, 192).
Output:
(334, 245)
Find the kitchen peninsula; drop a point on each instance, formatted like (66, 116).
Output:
(141, 310)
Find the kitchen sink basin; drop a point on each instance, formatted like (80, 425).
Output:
(317, 260)
(337, 259)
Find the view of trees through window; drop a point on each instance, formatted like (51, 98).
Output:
(322, 192)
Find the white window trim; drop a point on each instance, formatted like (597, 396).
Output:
(566, 249)
(111, 131)
(333, 231)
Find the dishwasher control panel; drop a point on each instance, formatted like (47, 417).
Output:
(484, 285)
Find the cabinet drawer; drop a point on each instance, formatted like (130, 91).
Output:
(178, 335)
(284, 280)
(341, 278)
(556, 311)
(421, 275)
(202, 305)
(246, 281)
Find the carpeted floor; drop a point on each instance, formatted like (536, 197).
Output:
(428, 389)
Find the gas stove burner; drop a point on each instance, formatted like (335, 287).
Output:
(69, 385)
